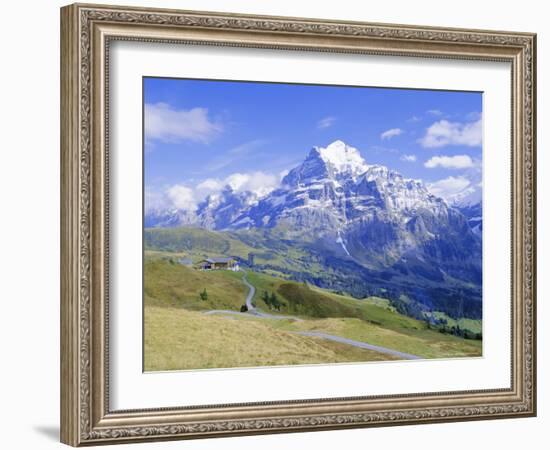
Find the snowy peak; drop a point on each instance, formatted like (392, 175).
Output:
(342, 158)
(337, 161)
(468, 197)
(219, 211)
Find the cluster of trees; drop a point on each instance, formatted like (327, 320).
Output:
(411, 309)
(455, 330)
(203, 295)
(272, 301)
(342, 276)
(416, 311)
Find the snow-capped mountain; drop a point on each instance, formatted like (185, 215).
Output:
(366, 213)
(471, 195)
(219, 211)
(334, 187)
(469, 203)
(474, 214)
(167, 218)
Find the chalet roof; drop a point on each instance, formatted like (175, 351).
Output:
(219, 260)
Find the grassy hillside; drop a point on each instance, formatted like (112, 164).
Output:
(194, 241)
(277, 255)
(173, 321)
(302, 299)
(272, 253)
(371, 320)
(177, 339)
(475, 326)
(173, 285)
(421, 342)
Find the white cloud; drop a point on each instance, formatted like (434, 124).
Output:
(182, 197)
(207, 187)
(166, 124)
(326, 122)
(450, 162)
(392, 132)
(188, 197)
(210, 184)
(449, 187)
(259, 183)
(154, 200)
(408, 158)
(435, 112)
(443, 133)
(237, 181)
(413, 119)
(177, 196)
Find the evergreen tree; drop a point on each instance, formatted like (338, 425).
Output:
(266, 299)
(275, 301)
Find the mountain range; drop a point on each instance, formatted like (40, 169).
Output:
(360, 218)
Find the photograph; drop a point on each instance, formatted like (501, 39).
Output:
(296, 224)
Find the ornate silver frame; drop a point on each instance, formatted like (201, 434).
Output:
(86, 32)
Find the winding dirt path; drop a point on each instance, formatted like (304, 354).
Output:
(254, 311)
(342, 340)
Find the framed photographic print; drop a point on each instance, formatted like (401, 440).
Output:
(276, 224)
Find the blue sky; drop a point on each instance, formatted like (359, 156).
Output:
(199, 134)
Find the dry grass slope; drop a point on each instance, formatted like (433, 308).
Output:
(177, 339)
(174, 285)
(423, 343)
